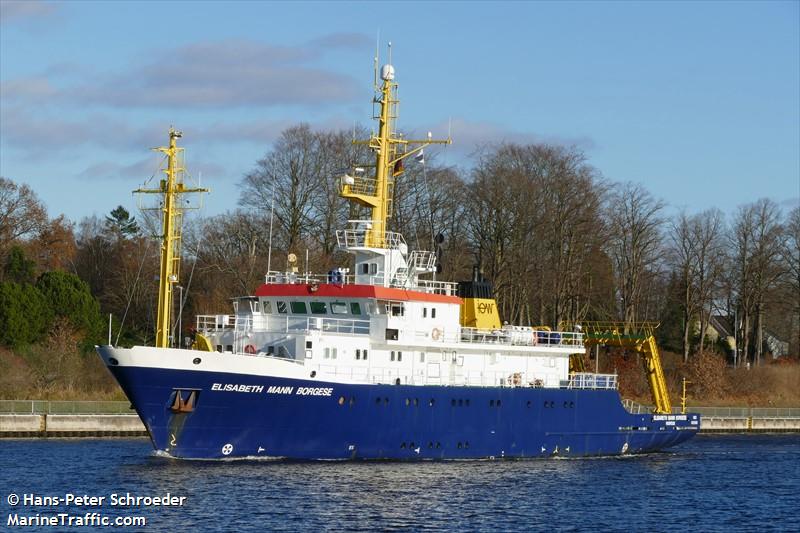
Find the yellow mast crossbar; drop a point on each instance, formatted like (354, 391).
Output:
(172, 217)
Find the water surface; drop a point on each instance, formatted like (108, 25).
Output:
(712, 483)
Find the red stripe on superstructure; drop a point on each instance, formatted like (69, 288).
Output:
(352, 291)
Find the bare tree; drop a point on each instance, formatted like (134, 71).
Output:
(21, 213)
(791, 253)
(709, 253)
(635, 242)
(757, 241)
(682, 257)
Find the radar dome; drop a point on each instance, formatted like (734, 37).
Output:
(387, 72)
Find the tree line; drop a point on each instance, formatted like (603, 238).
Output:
(560, 242)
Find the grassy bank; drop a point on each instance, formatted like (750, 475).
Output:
(711, 382)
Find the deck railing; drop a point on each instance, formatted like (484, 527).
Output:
(586, 380)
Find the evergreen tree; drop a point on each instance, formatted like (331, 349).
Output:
(122, 223)
(69, 297)
(25, 315)
(18, 267)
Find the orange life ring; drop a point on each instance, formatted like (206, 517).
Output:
(436, 333)
(250, 349)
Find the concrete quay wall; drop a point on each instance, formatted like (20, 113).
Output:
(129, 425)
(51, 425)
(749, 424)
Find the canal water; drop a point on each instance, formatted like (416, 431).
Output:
(712, 483)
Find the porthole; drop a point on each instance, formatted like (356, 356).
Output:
(460, 402)
(572, 404)
(416, 402)
(341, 400)
(566, 404)
(529, 404)
(491, 403)
(466, 444)
(431, 402)
(402, 446)
(412, 446)
(459, 445)
(498, 403)
(438, 445)
(430, 444)
(313, 373)
(196, 360)
(352, 401)
(466, 402)
(377, 401)
(453, 402)
(112, 361)
(386, 401)
(407, 402)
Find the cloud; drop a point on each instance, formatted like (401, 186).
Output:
(224, 74)
(145, 170)
(20, 129)
(31, 89)
(11, 10)
(469, 137)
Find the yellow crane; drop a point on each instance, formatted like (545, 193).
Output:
(640, 337)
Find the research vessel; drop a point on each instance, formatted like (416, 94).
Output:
(378, 359)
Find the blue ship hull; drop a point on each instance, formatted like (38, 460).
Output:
(237, 415)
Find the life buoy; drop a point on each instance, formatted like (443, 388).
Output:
(250, 349)
(436, 334)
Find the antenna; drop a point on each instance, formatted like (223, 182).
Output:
(377, 57)
(390, 52)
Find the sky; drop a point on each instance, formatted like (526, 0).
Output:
(698, 101)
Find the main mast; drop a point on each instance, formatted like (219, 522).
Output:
(172, 188)
(390, 151)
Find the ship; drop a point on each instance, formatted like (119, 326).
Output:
(379, 359)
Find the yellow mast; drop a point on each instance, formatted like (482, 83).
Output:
(390, 150)
(172, 216)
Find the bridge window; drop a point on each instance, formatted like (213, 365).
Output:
(338, 308)
(397, 309)
(373, 268)
(421, 357)
(392, 356)
(355, 308)
(282, 308)
(399, 356)
(255, 306)
(364, 268)
(358, 355)
(364, 355)
(266, 306)
(298, 308)
(319, 308)
(424, 312)
(433, 312)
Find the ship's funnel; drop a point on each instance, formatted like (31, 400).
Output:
(479, 309)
